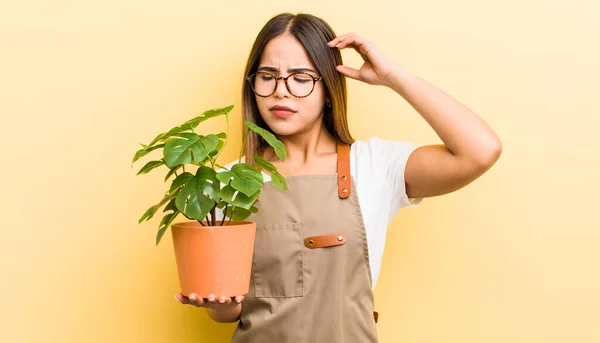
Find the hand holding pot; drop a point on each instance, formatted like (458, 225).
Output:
(224, 306)
(211, 302)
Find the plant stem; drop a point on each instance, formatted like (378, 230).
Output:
(224, 213)
(208, 219)
(213, 214)
(244, 145)
(226, 138)
(232, 208)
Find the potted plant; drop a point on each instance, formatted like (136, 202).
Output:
(212, 256)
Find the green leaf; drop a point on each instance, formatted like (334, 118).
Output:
(177, 130)
(191, 124)
(276, 144)
(148, 214)
(208, 115)
(143, 152)
(181, 180)
(150, 165)
(276, 179)
(216, 151)
(192, 201)
(238, 199)
(160, 234)
(167, 218)
(191, 148)
(225, 176)
(246, 179)
(152, 210)
(165, 222)
(173, 171)
(240, 213)
(209, 143)
(171, 205)
(166, 135)
(207, 182)
(157, 139)
(179, 151)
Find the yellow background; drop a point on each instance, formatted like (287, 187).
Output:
(512, 258)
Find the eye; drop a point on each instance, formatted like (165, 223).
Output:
(302, 78)
(265, 77)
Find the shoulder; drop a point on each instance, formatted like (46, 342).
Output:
(381, 151)
(378, 166)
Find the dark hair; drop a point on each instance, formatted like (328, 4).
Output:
(314, 34)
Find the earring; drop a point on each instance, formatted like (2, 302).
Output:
(328, 104)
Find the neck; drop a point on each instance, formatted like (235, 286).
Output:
(303, 147)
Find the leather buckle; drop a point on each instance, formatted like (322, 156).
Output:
(324, 241)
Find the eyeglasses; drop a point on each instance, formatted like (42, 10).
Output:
(300, 85)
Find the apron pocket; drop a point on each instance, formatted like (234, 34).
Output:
(277, 264)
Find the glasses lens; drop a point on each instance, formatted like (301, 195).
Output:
(263, 83)
(300, 84)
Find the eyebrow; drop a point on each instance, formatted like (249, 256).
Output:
(292, 70)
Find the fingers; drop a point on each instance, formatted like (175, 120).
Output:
(196, 300)
(353, 40)
(337, 42)
(182, 298)
(349, 72)
(212, 301)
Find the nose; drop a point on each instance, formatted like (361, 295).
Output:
(281, 90)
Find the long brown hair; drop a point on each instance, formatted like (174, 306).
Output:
(314, 34)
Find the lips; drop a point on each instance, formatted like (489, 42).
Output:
(281, 108)
(282, 111)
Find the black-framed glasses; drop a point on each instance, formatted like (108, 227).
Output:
(300, 85)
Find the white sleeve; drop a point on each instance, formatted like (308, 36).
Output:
(377, 166)
(391, 157)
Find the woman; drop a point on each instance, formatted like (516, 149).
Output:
(319, 245)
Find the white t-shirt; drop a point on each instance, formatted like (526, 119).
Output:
(377, 168)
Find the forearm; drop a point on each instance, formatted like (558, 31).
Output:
(228, 316)
(463, 132)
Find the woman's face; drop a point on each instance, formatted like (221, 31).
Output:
(283, 56)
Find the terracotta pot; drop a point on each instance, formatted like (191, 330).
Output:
(214, 259)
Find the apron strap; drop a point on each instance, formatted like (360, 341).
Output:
(343, 169)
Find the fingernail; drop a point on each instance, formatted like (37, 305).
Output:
(192, 297)
(222, 300)
(175, 297)
(238, 299)
(211, 297)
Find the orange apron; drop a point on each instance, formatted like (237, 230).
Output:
(311, 280)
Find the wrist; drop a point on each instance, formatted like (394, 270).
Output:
(225, 314)
(398, 78)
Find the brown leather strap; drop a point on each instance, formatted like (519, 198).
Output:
(324, 241)
(343, 169)
(376, 316)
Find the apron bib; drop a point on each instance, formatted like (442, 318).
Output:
(311, 279)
